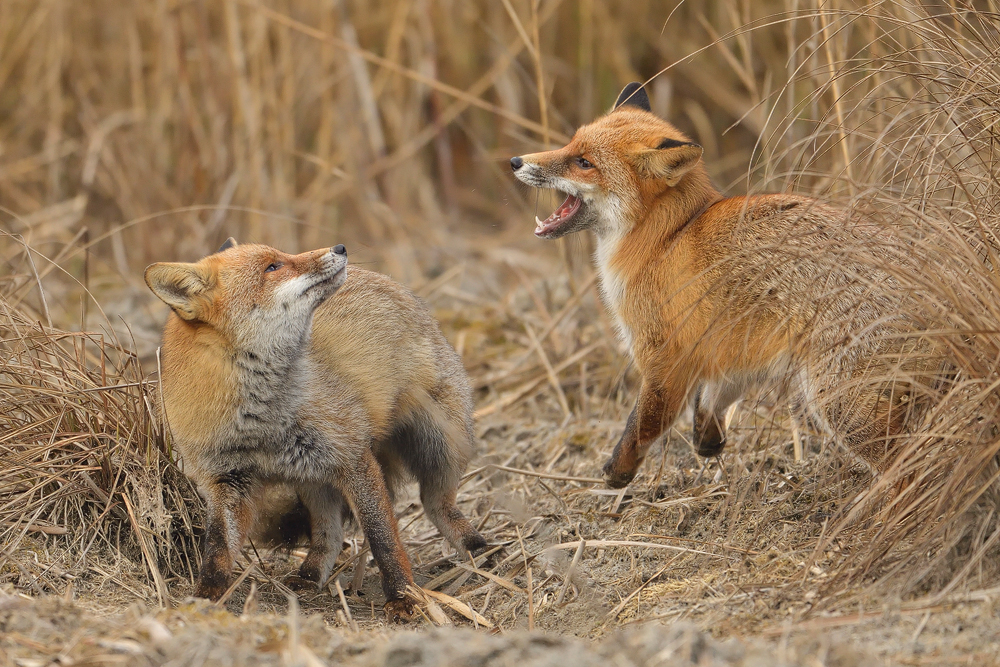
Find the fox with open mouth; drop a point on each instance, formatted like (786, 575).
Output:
(715, 295)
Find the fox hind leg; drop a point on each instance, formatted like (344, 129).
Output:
(711, 402)
(432, 455)
(327, 508)
(439, 503)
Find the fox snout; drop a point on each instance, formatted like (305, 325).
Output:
(530, 172)
(329, 271)
(337, 257)
(324, 263)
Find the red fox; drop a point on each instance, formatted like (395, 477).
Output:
(713, 295)
(296, 370)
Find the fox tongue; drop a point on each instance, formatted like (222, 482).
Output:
(559, 216)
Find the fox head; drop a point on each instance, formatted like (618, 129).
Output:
(251, 294)
(613, 169)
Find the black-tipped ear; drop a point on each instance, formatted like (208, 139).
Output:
(230, 243)
(674, 143)
(634, 95)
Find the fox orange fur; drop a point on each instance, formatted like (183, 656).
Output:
(295, 371)
(713, 295)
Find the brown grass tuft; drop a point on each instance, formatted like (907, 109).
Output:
(902, 125)
(86, 477)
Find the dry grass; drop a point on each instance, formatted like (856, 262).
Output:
(909, 139)
(86, 474)
(151, 131)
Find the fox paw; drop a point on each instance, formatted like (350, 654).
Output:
(399, 610)
(299, 583)
(212, 590)
(493, 559)
(476, 544)
(710, 446)
(617, 479)
(709, 436)
(212, 584)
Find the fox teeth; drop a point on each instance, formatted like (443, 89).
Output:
(538, 222)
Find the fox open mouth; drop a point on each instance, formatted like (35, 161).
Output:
(558, 218)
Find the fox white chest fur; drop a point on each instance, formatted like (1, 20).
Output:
(612, 283)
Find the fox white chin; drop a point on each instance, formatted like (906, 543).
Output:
(328, 284)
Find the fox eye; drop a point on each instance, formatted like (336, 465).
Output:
(273, 266)
(584, 163)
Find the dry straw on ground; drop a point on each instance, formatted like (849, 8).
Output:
(133, 132)
(84, 458)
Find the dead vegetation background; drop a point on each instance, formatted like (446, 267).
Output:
(133, 132)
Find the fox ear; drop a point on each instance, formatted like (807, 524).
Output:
(230, 243)
(634, 95)
(670, 160)
(180, 286)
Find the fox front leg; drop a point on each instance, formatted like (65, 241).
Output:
(365, 487)
(654, 412)
(230, 513)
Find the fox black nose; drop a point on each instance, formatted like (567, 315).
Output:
(340, 249)
(516, 163)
